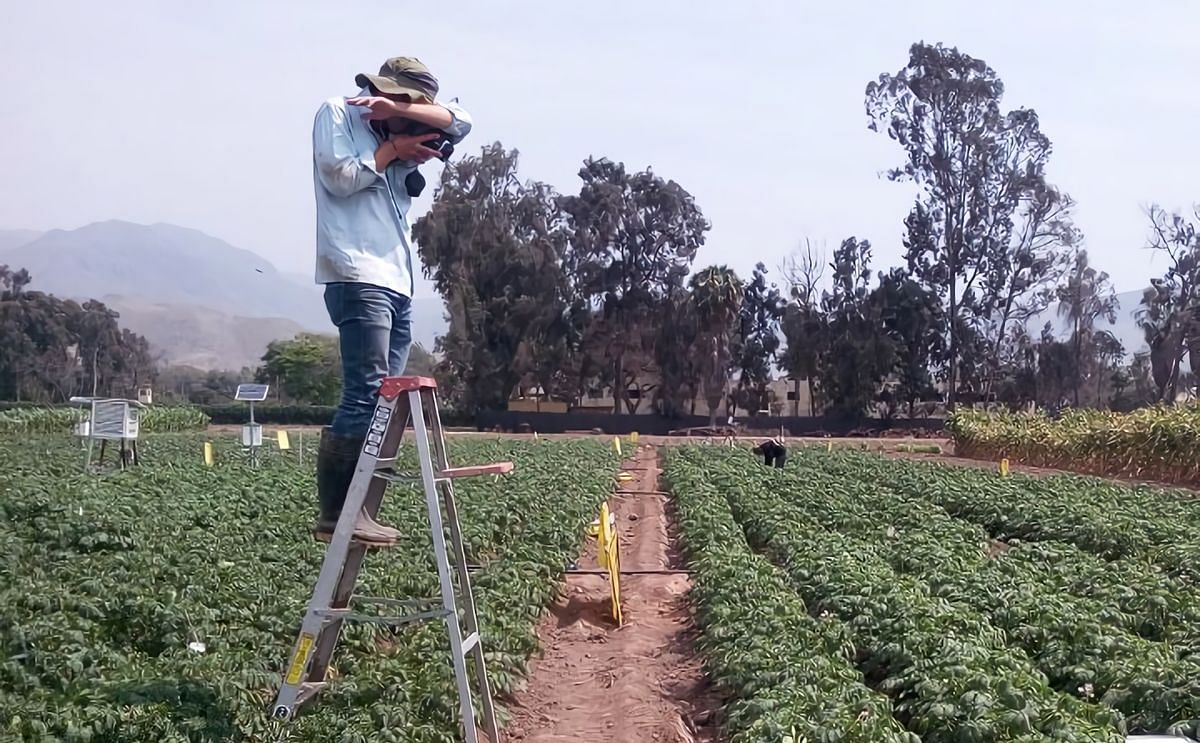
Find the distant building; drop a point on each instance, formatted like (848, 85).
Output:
(787, 398)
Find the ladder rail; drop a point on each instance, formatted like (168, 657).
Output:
(434, 505)
(470, 615)
(367, 497)
(403, 401)
(339, 572)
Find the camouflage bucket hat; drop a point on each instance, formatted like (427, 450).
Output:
(402, 76)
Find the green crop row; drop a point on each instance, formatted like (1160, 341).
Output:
(161, 603)
(951, 674)
(1084, 645)
(154, 419)
(1158, 443)
(790, 675)
(1107, 519)
(1156, 596)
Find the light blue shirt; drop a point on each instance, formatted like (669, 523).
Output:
(363, 233)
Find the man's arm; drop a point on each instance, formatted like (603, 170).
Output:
(449, 117)
(342, 168)
(460, 126)
(345, 170)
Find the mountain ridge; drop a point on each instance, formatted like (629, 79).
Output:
(197, 299)
(10, 239)
(167, 264)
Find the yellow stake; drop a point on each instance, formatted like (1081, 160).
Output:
(285, 443)
(829, 446)
(1004, 468)
(208, 453)
(633, 438)
(617, 444)
(609, 556)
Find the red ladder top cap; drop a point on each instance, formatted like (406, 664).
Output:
(391, 387)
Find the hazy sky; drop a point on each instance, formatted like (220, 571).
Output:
(200, 113)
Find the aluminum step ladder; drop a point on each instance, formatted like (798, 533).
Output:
(401, 400)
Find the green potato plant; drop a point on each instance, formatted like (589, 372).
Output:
(160, 603)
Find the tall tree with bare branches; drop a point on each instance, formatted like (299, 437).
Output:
(1170, 312)
(803, 323)
(974, 166)
(1085, 297)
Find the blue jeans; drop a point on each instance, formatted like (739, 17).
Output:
(375, 333)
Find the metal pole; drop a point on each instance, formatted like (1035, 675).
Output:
(87, 465)
(253, 448)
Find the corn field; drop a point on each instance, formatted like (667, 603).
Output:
(1158, 443)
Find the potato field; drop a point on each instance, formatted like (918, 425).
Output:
(850, 597)
(161, 603)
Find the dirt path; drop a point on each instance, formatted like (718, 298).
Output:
(641, 682)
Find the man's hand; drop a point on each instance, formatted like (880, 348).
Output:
(406, 149)
(378, 107)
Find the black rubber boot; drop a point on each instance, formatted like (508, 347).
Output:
(337, 459)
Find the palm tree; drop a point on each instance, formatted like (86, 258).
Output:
(717, 294)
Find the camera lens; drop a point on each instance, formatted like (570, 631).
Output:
(414, 183)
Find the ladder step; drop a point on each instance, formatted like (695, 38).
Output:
(308, 690)
(354, 539)
(469, 642)
(401, 603)
(499, 468)
(348, 615)
(386, 472)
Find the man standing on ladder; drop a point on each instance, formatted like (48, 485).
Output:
(366, 150)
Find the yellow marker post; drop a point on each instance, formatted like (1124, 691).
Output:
(617, 444)
(829, 447)
(285, 444)
(633, 438)
(1004, 467)
(208, 453)
(609, 557)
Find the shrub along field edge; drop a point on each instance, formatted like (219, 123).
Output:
(154, 419)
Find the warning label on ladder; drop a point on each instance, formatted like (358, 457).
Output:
(300, 659)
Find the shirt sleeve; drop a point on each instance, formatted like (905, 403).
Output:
(342, 168)
(460, 127)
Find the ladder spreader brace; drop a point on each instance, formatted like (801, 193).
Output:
(401, 400)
